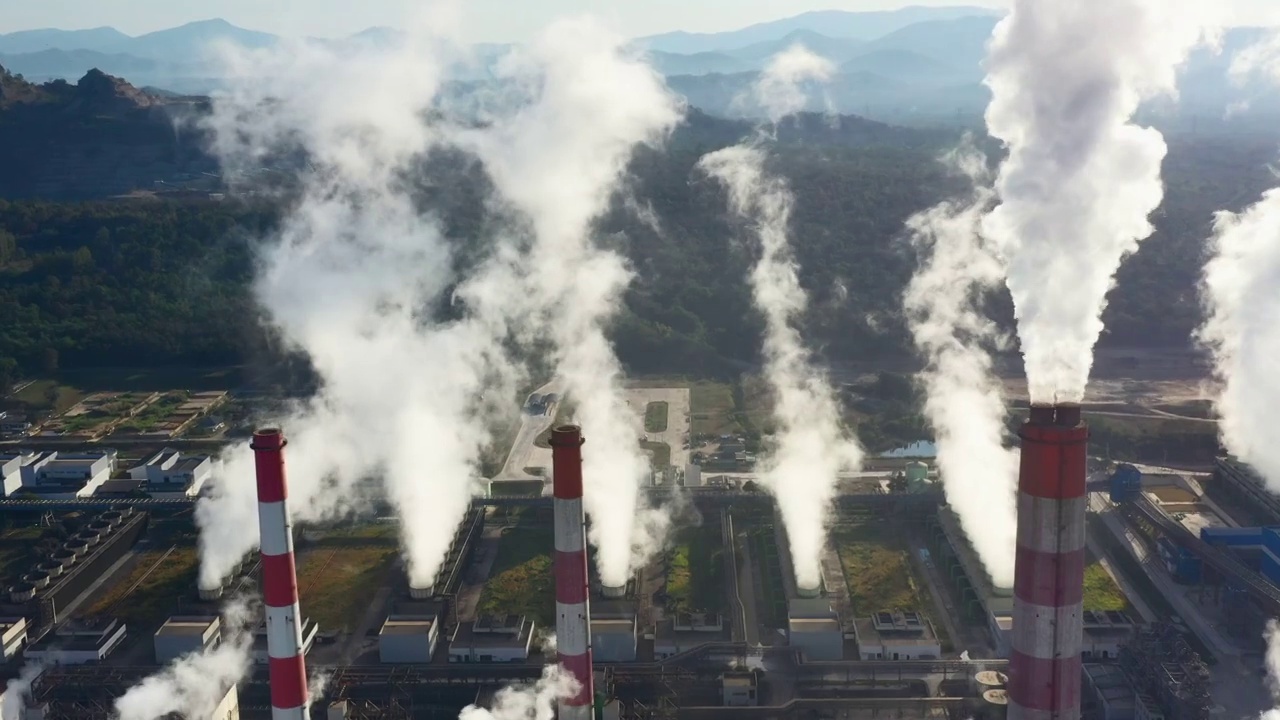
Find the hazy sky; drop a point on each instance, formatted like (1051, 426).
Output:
(484, 20)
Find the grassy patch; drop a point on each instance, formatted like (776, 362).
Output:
(48, 397)
(526, 488)
(695, 571)
(655, 417)
(711, 409)
(386, 531)
(154, 379)
(155, 413)
(762, 542)
(659, 454)
(1100, 591)
(522, 580)
(159, 582)
(877, 569)
(336, 585)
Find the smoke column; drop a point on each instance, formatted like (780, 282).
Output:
(1080, 179)
(356, 262)
(1242, 307)
(16, 692)
(558, 162)
(1272, 659)
(779, 90)
(194, 684)
(811, 444)
(963, 402)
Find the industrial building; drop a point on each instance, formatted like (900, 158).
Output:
(1105, 634)
(613, 640)
(56, 474)
(13, 636)
(408, 638)
(76, 643)
(491, 638)
(891, 635)
(169, 473)
(981, 600)
(182, 635)
(261, 640)
(687, 631)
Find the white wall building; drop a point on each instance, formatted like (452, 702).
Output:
(897, 636)
(75, 644)
(613, 639)
(818, 639)
(169, 473)
(13, 636)
(56, 474)
(310, 628)
(492, 639)
(182, 635)
(408, 639)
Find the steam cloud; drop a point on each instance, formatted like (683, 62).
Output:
(1242, 332)
(1081, 179)
(17, 691)
(779, 90)
(963, 402)
(358, 261)
(559, 162)
(812, 446)
(535, 702)
(195, 684)
(1272, 658)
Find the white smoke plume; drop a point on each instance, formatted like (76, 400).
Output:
(356, 263)
(1272, 660)
(533, 702)
(1080, 179)
(558, 162)
(346, 281)
(194, 684)
(812, 445)
(1262, 58)
(963, 402)
(779, 92)
(1242, 330)
(18, 691)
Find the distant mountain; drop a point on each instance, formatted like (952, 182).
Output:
(904, 65)
(697, 64)
(831, 23)
(834, 49)
(960, 43)
(53, 64)
(188, 42)
(103, 39)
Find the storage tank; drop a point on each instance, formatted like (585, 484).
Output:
(112, 517)
(100, 526)
(422, 592)
(995, 704)
(50, 567)
(613, 591)
(89, 537)
(65, 556)
(22, 592)
(210, 594)
(989, 680)
(37, 579)
(77, 546)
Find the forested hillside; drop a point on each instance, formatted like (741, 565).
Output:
(157, 282)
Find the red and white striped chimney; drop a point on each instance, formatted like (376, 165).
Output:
(1048, 584)
(279, 580)
(573, 629)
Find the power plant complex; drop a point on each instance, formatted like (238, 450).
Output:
(904, 622)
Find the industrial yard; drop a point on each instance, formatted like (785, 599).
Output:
(904, 621)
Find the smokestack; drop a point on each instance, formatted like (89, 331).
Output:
(1044, 670)
(573, 629)
(279, 580)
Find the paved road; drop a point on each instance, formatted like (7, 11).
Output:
(677, 433)
(523, 452)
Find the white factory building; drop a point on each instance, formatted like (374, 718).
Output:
(170, 474)
(813, 629)
(57, 474)
(183, 635)
(77, 644)
(13, 636)
(613, 639)
(408, 638)
(501, 638)
(897, 636)
(310, 628)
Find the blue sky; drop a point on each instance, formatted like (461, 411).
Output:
(483, 20)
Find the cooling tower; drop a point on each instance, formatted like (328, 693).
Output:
(1044, 668)
(288, 671)
(573, 630)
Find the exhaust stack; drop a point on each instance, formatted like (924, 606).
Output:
(279, 580)
(1044, 669)
(573, 629)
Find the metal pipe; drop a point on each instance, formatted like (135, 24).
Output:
(1044, 670)
(573, 614)
(287, 668)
